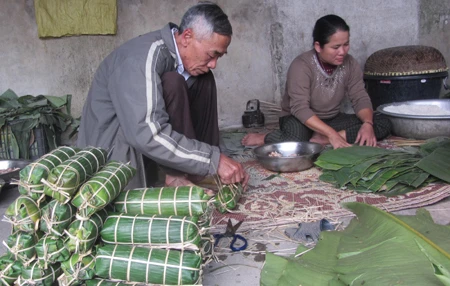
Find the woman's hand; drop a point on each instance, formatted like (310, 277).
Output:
(338, 141)
(366, 135)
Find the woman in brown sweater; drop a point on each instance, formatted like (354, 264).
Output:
(317, 83)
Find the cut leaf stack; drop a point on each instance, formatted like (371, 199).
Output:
(387, 172)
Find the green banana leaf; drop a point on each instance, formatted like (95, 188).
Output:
(437, 163)
(351, 156)
(377, 248)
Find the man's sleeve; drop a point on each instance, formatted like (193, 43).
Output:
(136, 94)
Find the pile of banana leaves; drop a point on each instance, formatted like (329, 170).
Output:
(20, 115)
(384, 171)
(377, 248)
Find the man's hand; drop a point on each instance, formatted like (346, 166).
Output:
(230, 171)
(366, 136)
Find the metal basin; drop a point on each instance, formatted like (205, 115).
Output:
(419, 126)
(12, 164)
(305, 153)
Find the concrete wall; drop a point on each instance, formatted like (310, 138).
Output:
(268, 34)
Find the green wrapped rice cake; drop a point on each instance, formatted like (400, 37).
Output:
(148, 265)
(228, 197)
(77, 269)
(34, 275)
(175, 232)
(83, 232)
(30, 177)
(56, 217)
(65, 179)
(103, 188)
(179, 201)
(10, 270)
(21, 246)
(24, 214)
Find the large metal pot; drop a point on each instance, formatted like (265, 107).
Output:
(419, 126)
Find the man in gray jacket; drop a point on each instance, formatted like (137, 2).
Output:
(154, 99)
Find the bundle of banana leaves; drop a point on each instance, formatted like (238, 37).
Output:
(50, 250)
(30, 177)
(148, 265)
(24, 214)
(102, 188)
(35, 275)
(77, 269)
(174, 232)
(65, 179)
(10, 269)
(83, 232)
(387, 172)
(228, 197)
(56, 217)
(21, 246)
(179, 201)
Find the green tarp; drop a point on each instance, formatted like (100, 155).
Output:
(56, 18)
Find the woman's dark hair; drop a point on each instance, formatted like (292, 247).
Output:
(326, 26)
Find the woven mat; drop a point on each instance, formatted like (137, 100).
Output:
(274, 199)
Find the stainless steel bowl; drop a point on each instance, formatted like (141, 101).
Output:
(12, 164)
(305, 153)
(419, 126)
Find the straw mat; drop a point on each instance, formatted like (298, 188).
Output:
(276, 199)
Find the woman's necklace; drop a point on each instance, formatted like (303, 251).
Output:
(329, 69)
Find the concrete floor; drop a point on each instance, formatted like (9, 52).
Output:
(241, 268)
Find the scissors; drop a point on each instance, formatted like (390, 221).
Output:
(231, 232)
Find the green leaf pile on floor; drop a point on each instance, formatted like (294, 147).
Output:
(377, 248)
(387, 172)
(20, 115)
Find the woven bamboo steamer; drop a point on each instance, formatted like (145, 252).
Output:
(404, 61)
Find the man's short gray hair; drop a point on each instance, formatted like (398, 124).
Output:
(206, 18)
